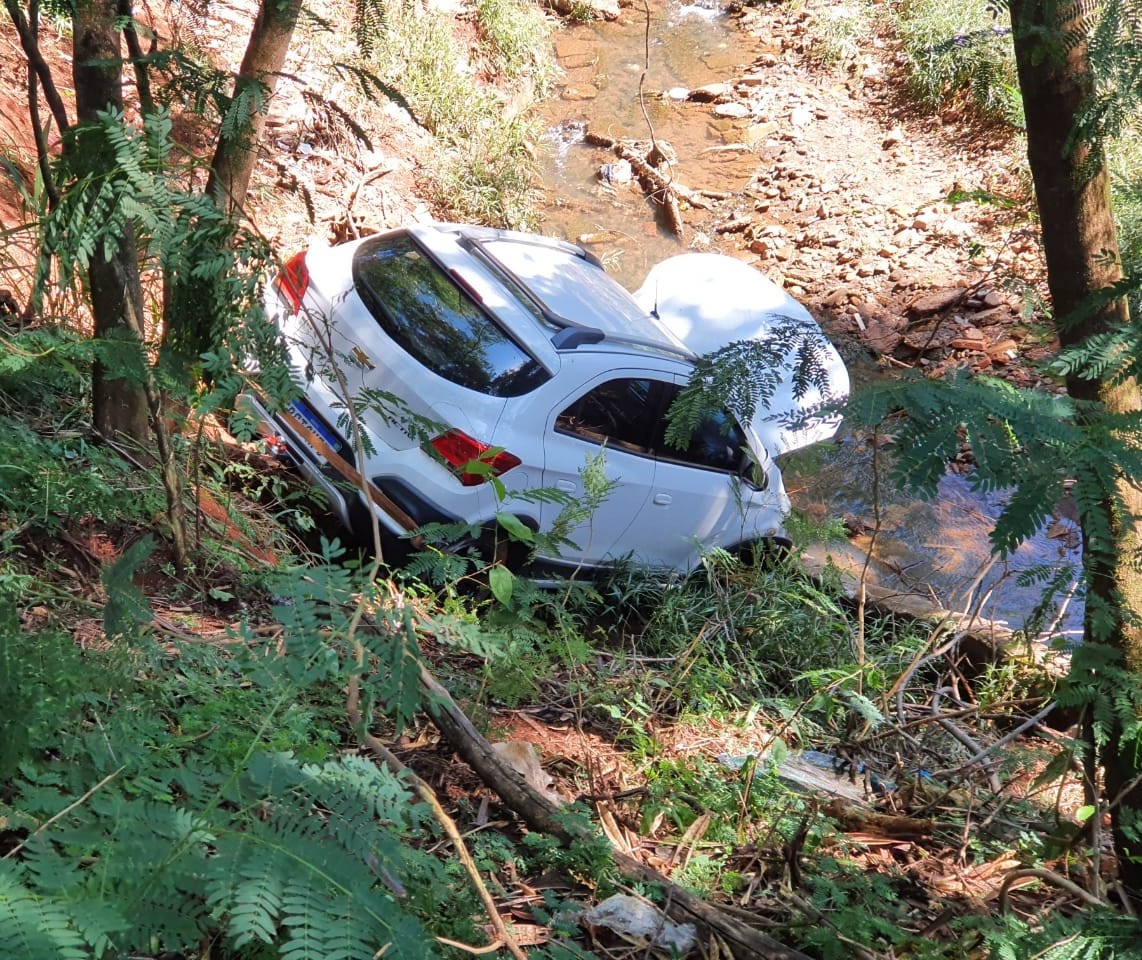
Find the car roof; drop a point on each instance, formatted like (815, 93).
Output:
(576, 301)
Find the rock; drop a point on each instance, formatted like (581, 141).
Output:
(573, 93)
(801, 117)
(992, 298)
(892, 138)
(881, 337)
(756, 132)
(677, 93)
(1003, 352)
(934, 302)
(573, 54)
(599, 236)
(711, 92)
(617, 172)
(602, 9)
(731, 111)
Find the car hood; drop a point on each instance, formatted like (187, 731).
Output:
(709, 300)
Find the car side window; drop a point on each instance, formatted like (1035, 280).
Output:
(717, 443)
(619, 413)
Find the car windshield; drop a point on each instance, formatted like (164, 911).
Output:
(437, 323)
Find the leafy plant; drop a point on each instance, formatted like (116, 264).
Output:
(966, 49)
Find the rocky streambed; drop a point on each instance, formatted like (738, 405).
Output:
(908, 236)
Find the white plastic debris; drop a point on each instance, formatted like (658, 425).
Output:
(636, 918)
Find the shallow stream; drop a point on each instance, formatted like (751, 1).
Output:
(938, 549)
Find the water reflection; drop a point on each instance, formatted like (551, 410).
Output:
(689, 46)
(939, 548)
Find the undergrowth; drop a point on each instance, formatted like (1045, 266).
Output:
(485, 168)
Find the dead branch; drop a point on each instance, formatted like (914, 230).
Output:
(853, 818)
(1050, 876)
(542, 815)
(428, 795)
(664, 193)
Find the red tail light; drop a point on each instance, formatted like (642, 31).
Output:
(459, 450)
(293, 281)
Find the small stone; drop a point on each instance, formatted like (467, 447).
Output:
(892, 138)
(801, 117)
(731, 111)
(574, 94)
(756, 132)
(711, 92)
(617, 172)
(933, 303)
(1002, 352)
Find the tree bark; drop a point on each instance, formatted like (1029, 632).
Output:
(191, 304)
(237, 149)
(1082, 255)
(119, 404)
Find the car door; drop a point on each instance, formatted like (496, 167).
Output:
(611, 414)
(698, 499)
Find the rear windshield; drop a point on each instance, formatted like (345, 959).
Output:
(437, 323)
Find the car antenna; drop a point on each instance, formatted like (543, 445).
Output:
(654, 311)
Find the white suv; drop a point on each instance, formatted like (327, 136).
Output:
(435, 357)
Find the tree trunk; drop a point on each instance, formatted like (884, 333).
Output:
(1081, 248)
(119, 404)
(191, 305)
(237, 149)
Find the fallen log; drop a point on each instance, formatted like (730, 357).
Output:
(542, 815)
(661, 191)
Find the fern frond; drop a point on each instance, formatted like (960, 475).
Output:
(33, 926)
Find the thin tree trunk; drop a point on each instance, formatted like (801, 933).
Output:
(1081, 248)
(119, 405)
(237, 149)
(190, 303)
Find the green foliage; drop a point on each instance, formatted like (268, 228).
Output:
(50, 471)
(209, 269)
(517, 35)
(1025, 440)
(841, 32)
(963, 49)
(485, 167)
(858, 908)
(185, 776)
(760, 629)
(744, 375)
(1085, 936)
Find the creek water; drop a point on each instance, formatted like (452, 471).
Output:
(937, 548)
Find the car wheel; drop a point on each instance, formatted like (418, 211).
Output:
(766, 552)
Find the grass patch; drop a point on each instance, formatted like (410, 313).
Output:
(485, 168)
(958, 51)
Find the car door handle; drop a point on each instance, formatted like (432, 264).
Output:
(662, 499)
(567, 486)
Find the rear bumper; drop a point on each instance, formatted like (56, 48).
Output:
(398, 506)
(278, 431)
